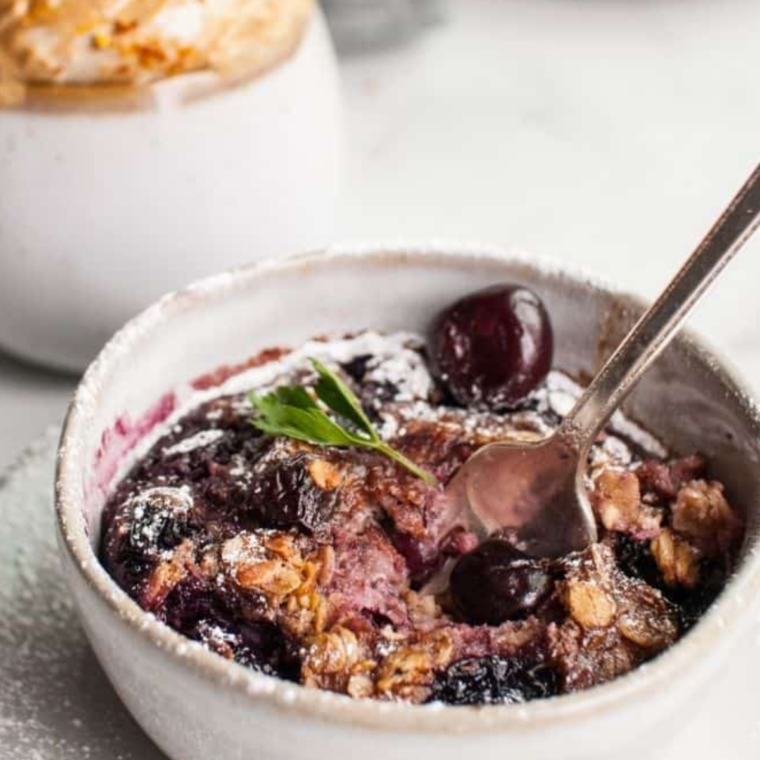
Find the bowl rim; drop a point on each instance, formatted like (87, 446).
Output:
(723, 621)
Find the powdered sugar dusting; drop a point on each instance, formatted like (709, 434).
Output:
(197, 441)
(55, 701)
(394, 357)
(392, 361)
(405, 370)
(245, 548)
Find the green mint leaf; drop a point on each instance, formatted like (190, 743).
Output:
(267, 406)
(296, 396)
(281, 430)
(293, 413)
(310, 424)
(332, 391)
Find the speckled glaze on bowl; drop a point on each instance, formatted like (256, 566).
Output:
(196, 705)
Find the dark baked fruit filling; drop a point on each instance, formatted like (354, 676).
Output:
(339, 568)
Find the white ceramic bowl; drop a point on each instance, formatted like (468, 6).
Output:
(105, 206)
(198, 706)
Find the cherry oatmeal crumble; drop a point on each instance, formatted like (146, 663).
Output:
(322, 565)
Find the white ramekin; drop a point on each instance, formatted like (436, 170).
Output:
(106, 205)
(198, 706)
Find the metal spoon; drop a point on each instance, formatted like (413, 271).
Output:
(535, 493)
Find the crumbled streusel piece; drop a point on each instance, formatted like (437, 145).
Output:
(702, 513)
(330, 566)
(677, 559)
(618, 503)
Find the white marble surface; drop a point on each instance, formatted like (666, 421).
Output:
(30, 401)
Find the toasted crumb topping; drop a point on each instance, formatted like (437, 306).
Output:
(330, 566)
(677, 559)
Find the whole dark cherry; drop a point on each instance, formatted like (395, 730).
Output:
(497, 582)
(493, 347)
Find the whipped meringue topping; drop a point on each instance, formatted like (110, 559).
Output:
(135, 42)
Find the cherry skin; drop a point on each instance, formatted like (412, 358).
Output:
(494, 347)
(496, 582)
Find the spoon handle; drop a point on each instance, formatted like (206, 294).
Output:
(655, 329)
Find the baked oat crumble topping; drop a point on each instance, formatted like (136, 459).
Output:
(314, 563)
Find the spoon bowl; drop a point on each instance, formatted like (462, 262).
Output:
(533, 494)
